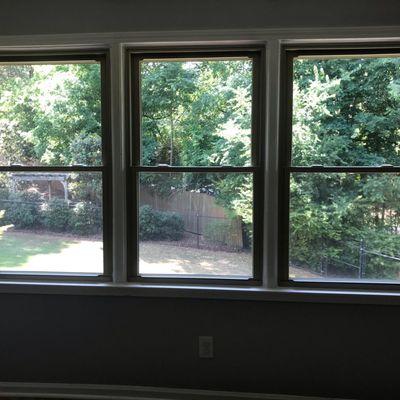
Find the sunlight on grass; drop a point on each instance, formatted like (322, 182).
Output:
(37, 252)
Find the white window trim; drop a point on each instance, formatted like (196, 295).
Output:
(272, 39)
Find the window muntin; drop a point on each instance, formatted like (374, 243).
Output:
(54, 163)
(343, 170)
(214, 154)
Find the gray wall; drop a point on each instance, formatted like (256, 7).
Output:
(337, 350)
(58, 16)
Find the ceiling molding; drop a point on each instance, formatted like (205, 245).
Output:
(203, 36)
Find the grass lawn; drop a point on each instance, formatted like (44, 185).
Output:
(37, 252)
(29, 251)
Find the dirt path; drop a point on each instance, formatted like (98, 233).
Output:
(170, 259)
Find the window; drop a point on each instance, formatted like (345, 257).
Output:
(54, 167)
(196, 165)
(340, 167)
(184, 198)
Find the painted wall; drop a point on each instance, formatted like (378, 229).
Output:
(336, 350)
(57, 16)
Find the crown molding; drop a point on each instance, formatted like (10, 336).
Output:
(203, 36)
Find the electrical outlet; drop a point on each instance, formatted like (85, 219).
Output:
(206, 347)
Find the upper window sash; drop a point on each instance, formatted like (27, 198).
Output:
(345, 118)
(249, 60)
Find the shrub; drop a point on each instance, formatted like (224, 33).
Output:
(159, 225)
(172, 225)
(86, 219)
(148, 223)
(23, 209)
(56, 215)
(4, 197)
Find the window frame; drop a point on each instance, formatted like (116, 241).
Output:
(133, 167)
(274, 44)
(101, 56)
(288, 54)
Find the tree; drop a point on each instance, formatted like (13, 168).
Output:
(198, 114)
(345, 113)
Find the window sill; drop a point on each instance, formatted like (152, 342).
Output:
(202, 292)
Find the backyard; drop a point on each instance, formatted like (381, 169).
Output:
(28, 252)
(40, 252)
(195, 115)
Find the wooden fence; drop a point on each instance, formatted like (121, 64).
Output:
(198, 211)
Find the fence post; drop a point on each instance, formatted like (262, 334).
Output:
(362, 260)
(323, 268)
(197, 230)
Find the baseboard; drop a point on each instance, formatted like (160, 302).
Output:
(28, 390)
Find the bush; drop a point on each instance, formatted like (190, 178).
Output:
(159, 225)
(23, 209)
(172, 225)
(56, 215)
(148, 223)
(86, 219)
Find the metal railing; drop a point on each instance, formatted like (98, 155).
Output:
(329, 265)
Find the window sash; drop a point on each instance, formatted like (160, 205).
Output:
(49, 57)
(133, 156)
(289, 53)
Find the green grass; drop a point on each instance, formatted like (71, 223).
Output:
(17, 249)
(25, 251)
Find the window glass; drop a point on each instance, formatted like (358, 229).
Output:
(346, 110)
(344, 222)
(197, 224)
(50, 114)
(50, 118)
(345, 226)
(196, 112)
(51, 222)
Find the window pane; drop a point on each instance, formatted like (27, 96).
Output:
(196, 224)
(51, 222)
(346, 110)
(50, 114)
(196, 112)
(345, 226)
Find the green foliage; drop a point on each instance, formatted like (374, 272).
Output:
(56, 215)
(50, 114)
(196, 113)
(23, 209)
(159, 225)
(85, 149)
(86, 187)
(346, 113)
(86, 219)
